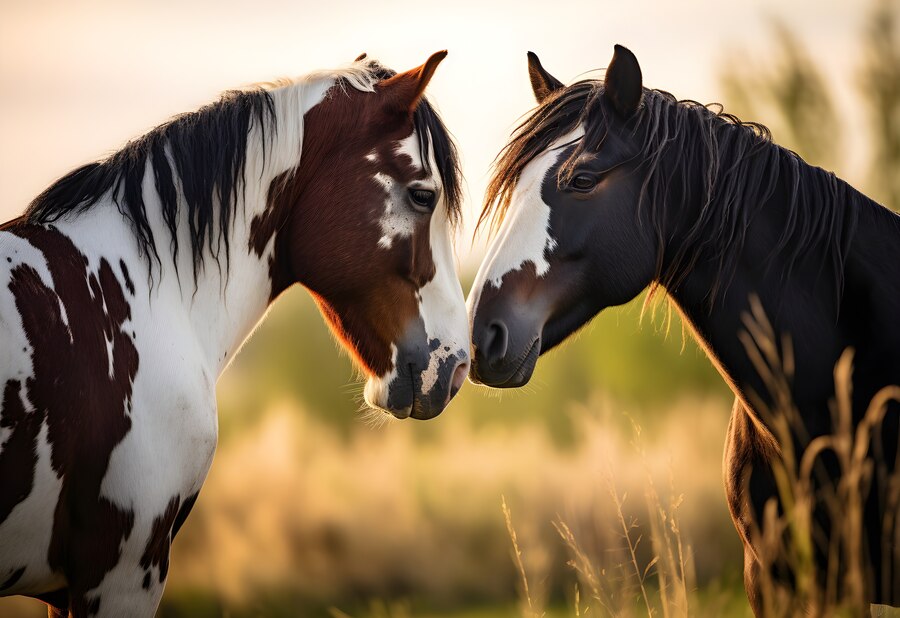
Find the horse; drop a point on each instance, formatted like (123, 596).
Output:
(130, 283)
(609, 187)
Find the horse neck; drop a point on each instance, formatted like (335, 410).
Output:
(231, 292)
(803, 300)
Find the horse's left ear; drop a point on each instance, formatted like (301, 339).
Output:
(405, 89)
(542, 83)
(622, 83)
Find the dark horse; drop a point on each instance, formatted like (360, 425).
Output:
(778, 266)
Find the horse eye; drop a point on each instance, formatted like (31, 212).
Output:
(422, 198)
(583, 182)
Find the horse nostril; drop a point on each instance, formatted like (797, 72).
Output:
(459, 378)
(496, 341)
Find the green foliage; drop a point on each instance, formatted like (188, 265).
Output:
(788, 93)
(880, 89)
(791, 96)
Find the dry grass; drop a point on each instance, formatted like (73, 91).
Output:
(790, 539)
(392, 513)
(619, 582)
(297, 514)
(619, 579)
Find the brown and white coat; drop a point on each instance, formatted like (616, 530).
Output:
(109, 356)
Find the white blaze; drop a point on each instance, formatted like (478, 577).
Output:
(441, 301)
(525, 234)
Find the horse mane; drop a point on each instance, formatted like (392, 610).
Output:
(740, 165)
(199, 163)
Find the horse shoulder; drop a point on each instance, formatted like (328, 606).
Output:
(29, 485)
(174, 427)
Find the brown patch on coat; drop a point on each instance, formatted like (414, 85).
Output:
(183, 513)
(156, 552)
(85, 402)
(19, 454)
(129, 284)
(325, 218)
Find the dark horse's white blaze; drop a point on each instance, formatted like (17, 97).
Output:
(110, 348)
(610, 187)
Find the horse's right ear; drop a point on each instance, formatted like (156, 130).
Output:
(406, 89)
(622, 83)
(542, 82)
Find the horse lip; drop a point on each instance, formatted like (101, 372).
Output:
(523, 368)
(402, 413)
(412, 390)
(529, 359)
(415, 410)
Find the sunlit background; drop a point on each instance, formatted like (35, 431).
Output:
(308, 511)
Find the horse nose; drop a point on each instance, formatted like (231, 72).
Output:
(495, 343)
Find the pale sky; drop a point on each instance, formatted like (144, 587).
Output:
(80, 78)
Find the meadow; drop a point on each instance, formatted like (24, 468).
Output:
(313, 509)
(595, 490)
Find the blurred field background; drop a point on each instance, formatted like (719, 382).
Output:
(309, 510)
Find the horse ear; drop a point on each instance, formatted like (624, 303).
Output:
(405, 89)
(542, 82)
(623, 81)
(362, 56)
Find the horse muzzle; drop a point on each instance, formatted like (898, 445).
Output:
(505, 349)
(422, 383)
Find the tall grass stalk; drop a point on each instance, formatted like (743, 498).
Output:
(789, 536)
(529, 609)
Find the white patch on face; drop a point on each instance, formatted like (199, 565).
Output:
(409, 146)
(441, 302)
(377, 388)
(372, 156)
(442, 305)
(398, 219)
(525, 234)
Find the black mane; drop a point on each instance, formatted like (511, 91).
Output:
(202, 155)
(739, 164)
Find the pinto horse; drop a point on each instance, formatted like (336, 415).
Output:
(608, 187)
(129, 284)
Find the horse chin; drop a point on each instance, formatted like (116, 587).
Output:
(561, 327)
(378, 396)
